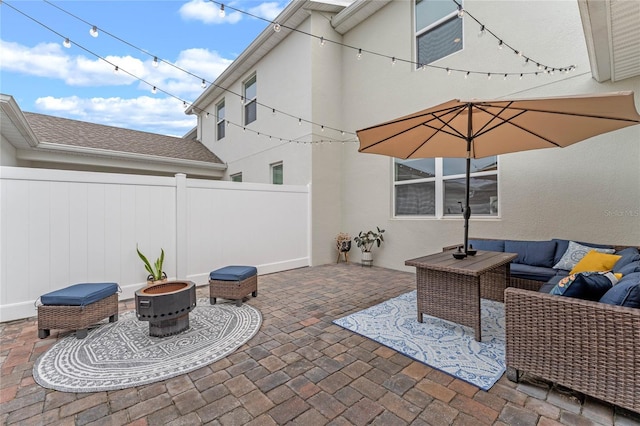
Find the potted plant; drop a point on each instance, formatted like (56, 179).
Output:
(365, 241)
(156, 274)
(343, 245)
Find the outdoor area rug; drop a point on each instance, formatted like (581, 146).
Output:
(122, 354)
(440, 344)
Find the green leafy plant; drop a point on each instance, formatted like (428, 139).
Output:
(366, 240)
(155, 271)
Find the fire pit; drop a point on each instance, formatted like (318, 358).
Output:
(166, 306)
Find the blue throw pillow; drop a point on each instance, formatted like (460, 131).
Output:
(629, 255)
(585, 285)
(628, 269)
(534, 253)
(574, 254)
(625, 293)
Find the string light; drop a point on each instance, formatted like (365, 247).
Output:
(393, 60)
(489, 76)
(321, 41)
(203, 84)
(154, 90)
(66, 43)
(466, 75)
(460, 11)
(500, 43)
(482, 31)
(448, 71)
(94, 31)
(222, 12)
(155, 62)
(359, 54)
(277, 27)
(116, 69)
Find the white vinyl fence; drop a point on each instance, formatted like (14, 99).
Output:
(64, 227)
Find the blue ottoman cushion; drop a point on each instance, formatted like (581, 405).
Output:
(79, 294)
(233, 273)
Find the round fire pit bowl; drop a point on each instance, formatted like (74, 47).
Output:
(166, 306)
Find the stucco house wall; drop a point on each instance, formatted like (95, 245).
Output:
(589, 191)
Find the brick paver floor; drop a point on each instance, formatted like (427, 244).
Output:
(299, 369)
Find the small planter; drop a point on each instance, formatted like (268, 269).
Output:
(151, 281)
(367, 258)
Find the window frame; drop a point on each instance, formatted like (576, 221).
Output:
(220, 121)
(247, 103)
(433, 26)
(272, 168)
(234, 177)
(439, 182)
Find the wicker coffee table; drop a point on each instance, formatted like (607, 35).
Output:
(451, 289)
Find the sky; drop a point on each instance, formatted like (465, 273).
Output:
(45, 77)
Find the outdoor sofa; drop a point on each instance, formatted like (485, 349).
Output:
(591, 346)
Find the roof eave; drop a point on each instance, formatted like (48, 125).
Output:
(15, 126)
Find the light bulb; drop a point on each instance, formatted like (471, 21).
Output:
(521, 75)
(322, 128)
(460, 12)
(489, 76)
(299, 121)
(154, 90)
(321, 41)
(66, 43)
(526, 62)
(273, 111)
(155, 62)
(222, 12)
(359, 54)
(505, 77)
(116, 69)
(500, 43)
(204, 84)
(467, 75)
(277, 27)
(448, 71)
(94, 31)
(482, 31)
(393, 61)
(207, 116)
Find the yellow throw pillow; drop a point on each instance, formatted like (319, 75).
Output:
(595, 262)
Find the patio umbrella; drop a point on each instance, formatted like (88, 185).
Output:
(477, 128)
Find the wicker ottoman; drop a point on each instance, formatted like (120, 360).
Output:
(233, 282)
(77, 307)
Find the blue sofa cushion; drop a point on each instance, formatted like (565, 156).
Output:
(585, 285)
(233, 273)
(562, 245)
(629, 255)
(549, 285)
(534, 253)
(488, 245)
(625, 293)
(629, 269)
(79, 294)
(529, 272)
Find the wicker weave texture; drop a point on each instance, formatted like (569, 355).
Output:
(76, 317)
(449, 296)
(233, 289)
(590, 347)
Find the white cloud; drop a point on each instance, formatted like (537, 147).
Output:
(51, 60)
(157, 115)
(269, 10)
(207, 12)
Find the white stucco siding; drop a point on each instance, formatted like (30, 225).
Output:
(590, 191)
(283, 83)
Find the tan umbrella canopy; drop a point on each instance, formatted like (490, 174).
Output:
(477, 128)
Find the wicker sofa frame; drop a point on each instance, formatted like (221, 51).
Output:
(77, 318)
(591, 347)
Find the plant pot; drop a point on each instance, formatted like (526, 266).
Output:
(151, 281)
(367, 258)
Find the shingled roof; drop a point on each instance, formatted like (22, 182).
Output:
(65, 131)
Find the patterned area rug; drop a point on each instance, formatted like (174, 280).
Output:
(122, 354)
(441, 344)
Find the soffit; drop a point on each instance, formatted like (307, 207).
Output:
(355, 14)
(14, 126)
(291, 17)
(612, 36)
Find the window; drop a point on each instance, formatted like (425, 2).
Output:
(438, 30)
(220, 124)
(250, 100)
(436, 187)
(237, 177)
(276, 174)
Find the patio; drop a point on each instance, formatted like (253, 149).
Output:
(299, 369)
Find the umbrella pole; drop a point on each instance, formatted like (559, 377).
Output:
(467, 207)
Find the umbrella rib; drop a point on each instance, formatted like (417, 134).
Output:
(455, 132)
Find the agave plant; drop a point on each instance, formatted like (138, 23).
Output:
(155, 271)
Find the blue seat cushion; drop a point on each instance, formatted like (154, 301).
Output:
(488, 245)
(528, 272)
(79, 294)
(629, 256)
(534, 253)
(233, 273)
(625, 293)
